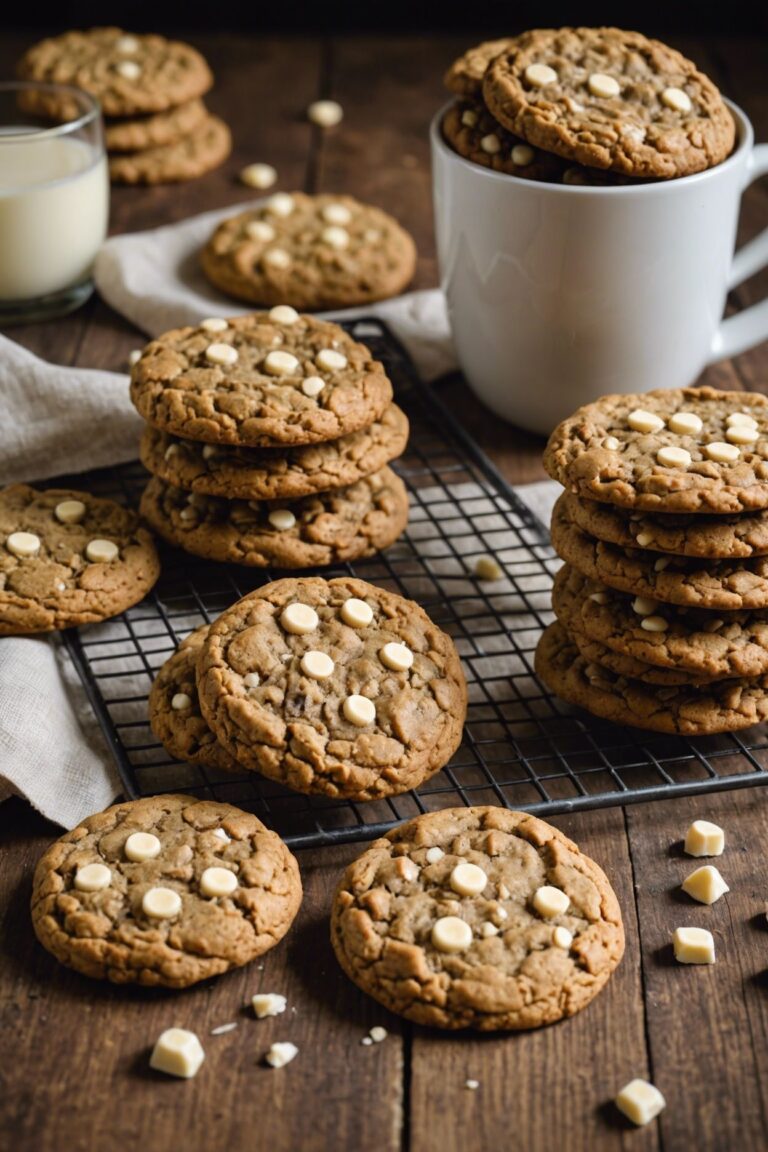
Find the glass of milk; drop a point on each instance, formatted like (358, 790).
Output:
(54, 200)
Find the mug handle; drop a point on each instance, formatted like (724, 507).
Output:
(749, 327)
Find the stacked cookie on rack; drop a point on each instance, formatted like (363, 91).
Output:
(662, 604)
(269, 438)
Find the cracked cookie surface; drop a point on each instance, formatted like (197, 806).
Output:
(108, 934)
(516, 976)
(200, 150)
(134, 135)
(465, 75)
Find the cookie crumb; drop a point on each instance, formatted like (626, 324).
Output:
(325, 113)
(281, 1053)
(473, 1085)
(258, 175)
(223, 1029)
(486, 568)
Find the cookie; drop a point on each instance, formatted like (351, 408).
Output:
(722, 706)
(600, 656)
(204, 148)
(465, 75)
(444, 921)
(68, 558)
(723, 585)
(164, 891)
(130, 75)
(334, 687)
(688, 450)
(706, 537)
(268, 379)
(174, 709)
(310, 252)
(326, 528)
(610, 99)
(275, 474)
(156, 130)
(696, 642)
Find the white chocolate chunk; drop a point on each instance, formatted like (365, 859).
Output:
(101, 551)
(277, 258)
(598, 597)
(280, 364)
(693, 946)
(539, 75)
(644, 606)
(469, 118)
(92, 878)
(359, 710)
(676, 99)
(283, 314)
(325, 113)
(134, 357)
(219, 833)
(335, 237)
(260, 230)
(69, 511)
(472, 1085)
(721, 452)
(643, 539)
(177, 1052)
(572, 105)
(258, 175)
(549, 901)
(218, 882)
(434, 855)
(491, 144)
(705, 884)
(562, 938)
(486, 568)
(468, 879)
(522, 155)
(503, 892)
(318, 665)
(330, 360)
(685, 423)
(280, 204)
(281, 1053)
(377, 1033)
(407, 869)
(268, 1004)
(251, 680)
(142, 846)
(356, 613)
(366, 1041)
(312, 386)
(127, 45)
(221, 354)
(282, 519)
(654, 624)
(451, 934)
(742, 434)
(129, 69)
(161, 903)
(671, 457)
(641, 421)
(209, 452)
(23, 544)
(180, 701)
(742, 418)
(704, 839)
(299, 619)
(398, 657)
(337, 214)
(611, 444)
(487, 929)
(600, 84)
(640, 1101)
(214, 324)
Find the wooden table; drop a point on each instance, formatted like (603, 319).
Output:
(75, 1075)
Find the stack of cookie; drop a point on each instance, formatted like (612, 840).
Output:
(269, 438)
(585, 106)
(662, 605)
(157, 128)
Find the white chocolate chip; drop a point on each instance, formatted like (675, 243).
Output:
(704, 839)
(209, 452)
(378, 1034)
(283, 314)
(522, 155)
(330, 360)
(539, 75)
(258, 175)
(633, 132)
(356, 613)
(676, 99)
(142, 846)
(549, 901)
(742, 434)
(661, 563)
(127, 45)
(161, 903)
(644, 606)
(721, 452)
(398, 657)
(451, 934)
(312, 386)
(500, 913)
(359, 710)
(641, 421)
(742, 418)
(600, 84)
(316, 664)
(611, 444)
(218, 882)
(685, 423)
(693, 946)
(23, 543)
(491, 144)
(281, 1053)
(268, 1004)
(280, 204)
(654, 624)
(434, 855)
(282, 519)
(101, 551)
(486, 568)
(281, 364)
(336, 214)
(214, 324)
(134, 357)
(562, 938)
(643, 539)
(129, 69)
(260, 230)
(180, 701)
(177, 1052)
(469, 118)
(69, 511)
(366, 1041)
(407, 869)
(487, 929)
(325, 113)
(472, 1085)
(93, 878)
(468, 879)
(221, 354)
(60, 586)
(640, 1102)
(598, 597)
(705, 884)
(251, 680)
(671, 457)
(335, 236)
(299, 619)
(277, 258)
(220, 834)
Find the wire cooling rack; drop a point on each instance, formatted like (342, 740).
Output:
(522, 747)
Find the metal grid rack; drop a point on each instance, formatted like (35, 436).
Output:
(522, 748)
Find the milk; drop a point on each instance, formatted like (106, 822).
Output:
(54, 202)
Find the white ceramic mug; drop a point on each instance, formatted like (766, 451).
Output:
(560, 293)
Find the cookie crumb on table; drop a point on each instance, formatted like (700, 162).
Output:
(281, 1053)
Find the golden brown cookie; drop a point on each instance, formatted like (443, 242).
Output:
(465, 75)
(202, 149)
(155, 130)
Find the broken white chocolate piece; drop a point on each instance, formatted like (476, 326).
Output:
(640, 1101)
(268, 1004)
(178, 1053)
(693, 946)
(705, 884)
(704, 839)
(281, 1054)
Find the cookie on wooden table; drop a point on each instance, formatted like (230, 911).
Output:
(69, 558)
(610, 99)
(202, 149)
(465, 75)
(477, 918)
(325, 528)
(334, 687)
(311, 252)
(164, 891)
(268, 379)
(153, 131)
(275, 474)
